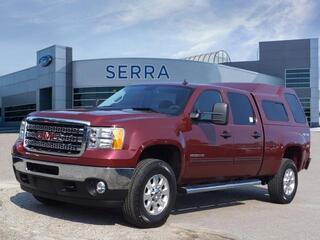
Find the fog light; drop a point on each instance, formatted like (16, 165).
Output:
(101, 187)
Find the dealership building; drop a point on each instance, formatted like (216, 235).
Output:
(59, 82)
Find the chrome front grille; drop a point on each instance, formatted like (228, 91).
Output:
(55, 136)
(58, 129)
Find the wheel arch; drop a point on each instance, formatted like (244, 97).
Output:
(295, 153)
(169, 152)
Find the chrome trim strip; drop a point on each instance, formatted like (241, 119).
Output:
(57, 120)
(116, 178)
(219, 186)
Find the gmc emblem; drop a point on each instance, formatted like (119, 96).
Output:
(46, 136)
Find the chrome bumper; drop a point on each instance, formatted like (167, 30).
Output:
(115, 178)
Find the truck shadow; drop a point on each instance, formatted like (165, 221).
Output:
(219, 199)
(69, 212)
(103, 216)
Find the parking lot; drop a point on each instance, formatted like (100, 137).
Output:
(243, 213)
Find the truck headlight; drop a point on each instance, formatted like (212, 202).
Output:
(22, 130)
(106, 138)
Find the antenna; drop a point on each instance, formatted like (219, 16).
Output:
(185, 82)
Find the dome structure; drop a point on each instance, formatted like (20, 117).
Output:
(220, 56)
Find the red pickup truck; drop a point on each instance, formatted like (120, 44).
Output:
(145, 143)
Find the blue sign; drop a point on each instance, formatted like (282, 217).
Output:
(45, 61)
(136, 71)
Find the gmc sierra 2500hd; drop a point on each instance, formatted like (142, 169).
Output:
(145, 143)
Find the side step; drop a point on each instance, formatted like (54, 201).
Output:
(218, 186)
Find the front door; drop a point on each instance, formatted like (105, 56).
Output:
(210, 146)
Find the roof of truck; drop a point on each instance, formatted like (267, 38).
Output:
(255, 87)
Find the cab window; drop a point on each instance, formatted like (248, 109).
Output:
(205, 102)
(295, 107)
(241, 109)
(275, 111)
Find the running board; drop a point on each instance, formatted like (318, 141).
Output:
(218, 186)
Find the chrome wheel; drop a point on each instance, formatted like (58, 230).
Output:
(289, 182)
(156, 194)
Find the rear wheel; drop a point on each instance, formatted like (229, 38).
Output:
(283, 186)
(151, 195)
(47, 201)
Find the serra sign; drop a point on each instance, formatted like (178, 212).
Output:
(136, 71)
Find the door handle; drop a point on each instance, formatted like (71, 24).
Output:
(225, 134)
(256, 135)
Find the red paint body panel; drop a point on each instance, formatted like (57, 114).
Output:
(205, 155)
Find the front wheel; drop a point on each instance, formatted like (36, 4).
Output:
(283, 186)
(151, 195)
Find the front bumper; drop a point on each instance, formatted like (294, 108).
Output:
(72, 183)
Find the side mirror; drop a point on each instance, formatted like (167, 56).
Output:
(220, 113)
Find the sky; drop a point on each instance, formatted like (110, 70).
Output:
(149, 28)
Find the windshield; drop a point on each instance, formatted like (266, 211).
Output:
(156, 98)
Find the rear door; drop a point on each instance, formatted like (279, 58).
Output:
(247, 134)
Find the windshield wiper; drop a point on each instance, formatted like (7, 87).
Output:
(147, 109)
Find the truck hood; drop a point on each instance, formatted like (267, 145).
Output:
(100, 117)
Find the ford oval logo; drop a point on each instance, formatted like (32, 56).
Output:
(45, 61)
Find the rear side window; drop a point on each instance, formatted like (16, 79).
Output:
(205, 103)
(241, 109)
(295, 107)
(275, 111)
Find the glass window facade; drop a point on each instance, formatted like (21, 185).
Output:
(298, 78)
(92, 96)
(18, 113)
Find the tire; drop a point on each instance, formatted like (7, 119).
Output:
(142, 210)
(284, 193)
(47, 201)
